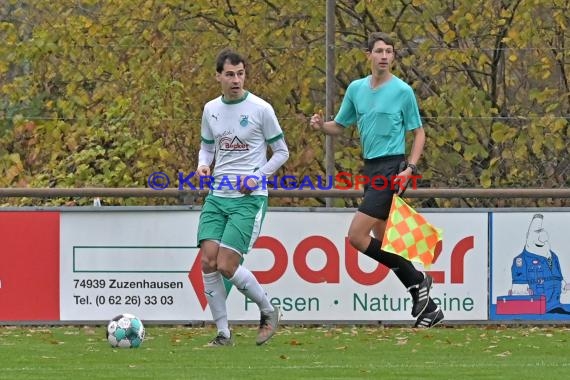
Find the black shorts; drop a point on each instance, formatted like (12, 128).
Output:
(378, 197)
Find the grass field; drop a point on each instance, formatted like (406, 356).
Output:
(344, 352)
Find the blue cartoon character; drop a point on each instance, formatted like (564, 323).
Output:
(536, 271)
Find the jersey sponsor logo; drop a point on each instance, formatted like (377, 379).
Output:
(234, 145)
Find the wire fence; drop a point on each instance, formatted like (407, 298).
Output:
(525, 144)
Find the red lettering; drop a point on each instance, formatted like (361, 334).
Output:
(377, 178)
(330, 273)
(353, 269)
(458, 259)
(343, 177)
(281, 260)
(360, 180)
(437, 275)
(414, 178)
(397, 181)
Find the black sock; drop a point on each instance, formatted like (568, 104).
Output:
(402, 268)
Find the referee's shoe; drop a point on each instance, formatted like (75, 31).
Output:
(427, 320)
(420, 295)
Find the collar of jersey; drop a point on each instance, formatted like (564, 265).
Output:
(245, 94)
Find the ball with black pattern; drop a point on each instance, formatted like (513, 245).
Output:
(125, 331)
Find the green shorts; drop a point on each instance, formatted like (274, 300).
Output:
(234, 222)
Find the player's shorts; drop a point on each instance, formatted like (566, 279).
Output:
(234, 222)
(378, 197)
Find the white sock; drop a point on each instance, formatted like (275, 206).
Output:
(216, 295)
(246, 283)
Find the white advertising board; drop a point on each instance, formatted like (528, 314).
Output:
(118, 262)
(145, 262)
(530, 266)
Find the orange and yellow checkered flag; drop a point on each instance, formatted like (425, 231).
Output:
(408, 234)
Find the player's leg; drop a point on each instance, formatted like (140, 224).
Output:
(359, 237)
(417, 283)
(372, 215)
(241, 232)
(376, 204)
(210, 230)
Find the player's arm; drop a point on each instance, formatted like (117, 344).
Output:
(280, 153)
(413, 122)
(417, 146)
(329, 127)
(410, 165)
(205, 157)
(278, 158)
(207, 147)
(273, 135)
(345, 118)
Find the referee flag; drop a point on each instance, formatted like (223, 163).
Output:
(409, 234)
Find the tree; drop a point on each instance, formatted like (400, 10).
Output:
(101, 93)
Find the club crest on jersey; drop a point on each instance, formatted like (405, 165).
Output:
(244, 120)
(235, 144)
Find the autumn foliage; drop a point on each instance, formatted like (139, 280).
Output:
(103, 93)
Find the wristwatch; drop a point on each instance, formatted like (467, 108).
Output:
(414, 168)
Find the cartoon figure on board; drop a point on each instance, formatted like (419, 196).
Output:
(536, 270)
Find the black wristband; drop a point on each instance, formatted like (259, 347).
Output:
(414, 168)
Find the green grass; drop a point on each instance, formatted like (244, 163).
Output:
(345, 352)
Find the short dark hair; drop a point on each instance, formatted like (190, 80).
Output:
(378, 36)
(230, 55)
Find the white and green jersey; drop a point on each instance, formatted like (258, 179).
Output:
(241, 131)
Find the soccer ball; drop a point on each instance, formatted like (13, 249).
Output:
(125, 331)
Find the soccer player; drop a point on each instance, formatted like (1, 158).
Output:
(237, 128)
(384, 108)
